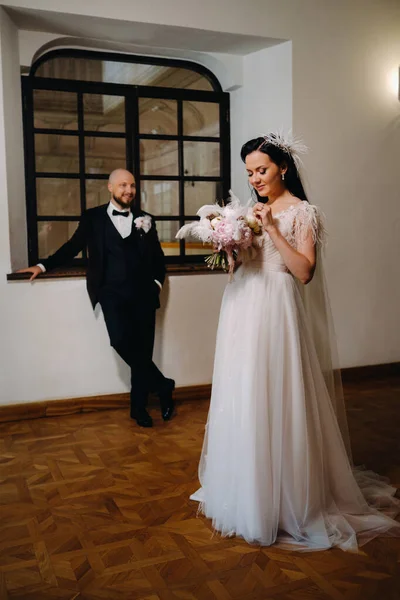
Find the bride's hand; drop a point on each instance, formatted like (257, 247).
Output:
(263, 212)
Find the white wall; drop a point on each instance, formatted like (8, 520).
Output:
(54, 346)
(12, 142)
(263, 104)
(343, 107)
(268, 86)
(349, 116)
(29, 42)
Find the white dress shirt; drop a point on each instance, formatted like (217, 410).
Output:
(122, 224)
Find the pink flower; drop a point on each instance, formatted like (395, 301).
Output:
(228, 228)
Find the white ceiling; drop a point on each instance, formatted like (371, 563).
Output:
(148, 34)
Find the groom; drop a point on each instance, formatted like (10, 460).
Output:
(125, 273)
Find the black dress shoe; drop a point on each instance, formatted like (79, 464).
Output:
(142, 418)
(166, 400)
(168, 412)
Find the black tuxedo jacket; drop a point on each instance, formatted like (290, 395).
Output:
(90, 234)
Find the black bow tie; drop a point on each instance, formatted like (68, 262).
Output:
(117, 213)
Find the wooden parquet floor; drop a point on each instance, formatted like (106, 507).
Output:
(94, 508)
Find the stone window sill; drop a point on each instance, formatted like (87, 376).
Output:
(73, 272)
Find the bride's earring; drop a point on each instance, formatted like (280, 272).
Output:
(283, 176)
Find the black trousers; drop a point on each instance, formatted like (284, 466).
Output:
(131, 328)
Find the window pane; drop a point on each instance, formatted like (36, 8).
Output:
(103, 155)
(87, 69)
(56, 110)
(201, 159)
(167, 231)
(195, 246)
(58, 197)
(198, 193)
(53, 234)
(96, 192)
(160, 197)
(201, 118)
(104, 113)
(159, 117)
(56, 153)
(179, 78)
(158, 157)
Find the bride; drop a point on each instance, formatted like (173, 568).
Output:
(276, 463)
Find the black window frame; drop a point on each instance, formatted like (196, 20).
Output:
(132, 94)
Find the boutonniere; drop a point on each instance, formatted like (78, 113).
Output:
(143, 222)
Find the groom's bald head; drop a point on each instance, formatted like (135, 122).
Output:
(119, 174)
(121, 184)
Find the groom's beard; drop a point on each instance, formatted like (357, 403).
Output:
(123, 202)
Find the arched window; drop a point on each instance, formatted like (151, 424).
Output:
(87, 113)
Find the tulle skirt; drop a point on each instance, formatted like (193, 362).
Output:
(274, 467)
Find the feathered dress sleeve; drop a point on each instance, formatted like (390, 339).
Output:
(308, 220)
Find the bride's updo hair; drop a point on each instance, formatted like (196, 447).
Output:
(279, 157)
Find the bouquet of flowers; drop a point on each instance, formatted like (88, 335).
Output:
(230, 229)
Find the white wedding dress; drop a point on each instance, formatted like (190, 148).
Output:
(275, 465)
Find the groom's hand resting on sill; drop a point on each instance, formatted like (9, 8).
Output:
(35, 270)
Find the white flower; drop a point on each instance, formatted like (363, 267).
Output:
(215, 222)
(210, 211)
(143, 222)
(253, 222)
(201, 230)
(251, 219)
